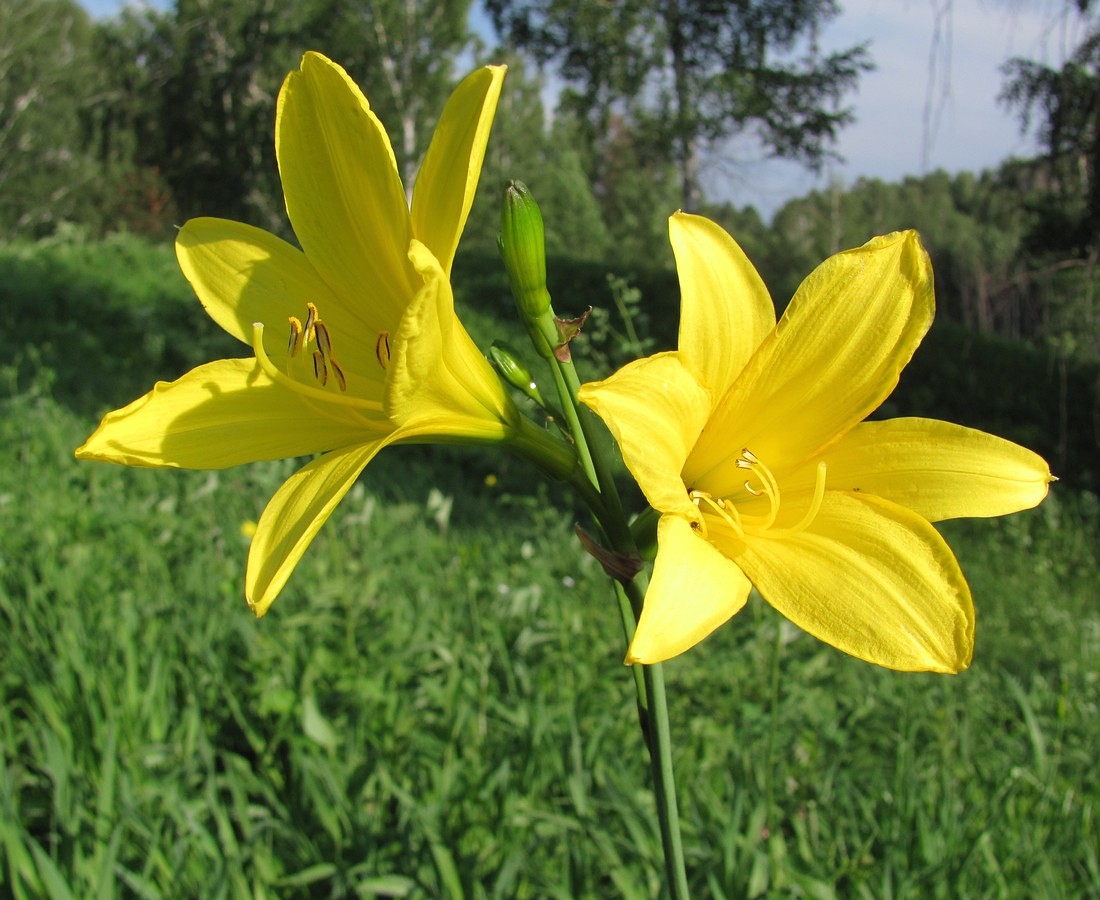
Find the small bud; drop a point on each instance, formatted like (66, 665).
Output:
(514, 372)
(523, 246)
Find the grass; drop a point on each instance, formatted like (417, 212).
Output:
(436, 705)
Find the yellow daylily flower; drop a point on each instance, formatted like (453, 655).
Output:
(750, 441)
(356, 342)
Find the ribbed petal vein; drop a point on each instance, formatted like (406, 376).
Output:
(222, 414)
(694, 590)
(723, 302)
(937, 469)
(656, 411)
(295, 514)
(832, 359)
(872, 579)
(343, 191)
(448, 177)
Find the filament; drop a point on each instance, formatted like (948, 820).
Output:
(272, 371)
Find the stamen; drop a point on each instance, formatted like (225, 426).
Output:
(295, 336)
(311, 318)
(769, 486)
(382, 349)
(324, 341)
(815, 503)
(320, 370)
(338, 371)
(728, 514)
(273, 372)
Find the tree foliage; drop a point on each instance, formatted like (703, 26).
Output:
(192, 91)
(1062, 106)
(46, 72)
(691, 73)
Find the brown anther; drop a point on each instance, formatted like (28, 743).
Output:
(338, 371)
(295, 336)
(320, 370)
(324, 341)
(382, 349)
(311, 318)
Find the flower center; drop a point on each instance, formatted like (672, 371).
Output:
(313, 332)
(754, 524)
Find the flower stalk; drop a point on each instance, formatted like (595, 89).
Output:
(522, 248)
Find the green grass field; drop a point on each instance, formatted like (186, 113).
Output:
(436, 706)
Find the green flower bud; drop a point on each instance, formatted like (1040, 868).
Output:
(523, 246)
(514, 372)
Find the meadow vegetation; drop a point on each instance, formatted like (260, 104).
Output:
(436, 706)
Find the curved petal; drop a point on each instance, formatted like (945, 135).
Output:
(872, 579)
(656, 410)
(295, 514)
(343, 191)
(447, 181)
(221, 414)
(243, 275)
(438, 379)
(833, 358)
(694, 589)
(937, 469)
(725, 308)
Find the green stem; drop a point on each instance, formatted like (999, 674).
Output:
(557, 459)
(649, 681)
(654, 704)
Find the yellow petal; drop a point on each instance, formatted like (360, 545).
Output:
(343, 191)
(295, 515)
(220, 414)
(447, 181)
(832, 359)
(655, 409)
(694, 590)
(438, 380)
(874, 580)
(939, 470)
(244, 275)
(725, 309)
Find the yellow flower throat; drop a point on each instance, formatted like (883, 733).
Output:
(744, 524)
(314, 331)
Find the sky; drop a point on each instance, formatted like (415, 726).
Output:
(931, 102)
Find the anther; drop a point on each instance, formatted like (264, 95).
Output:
(324, 341)
(338, 371)
(382, 349)
(320, 370)
(295, 336)
(311, 318)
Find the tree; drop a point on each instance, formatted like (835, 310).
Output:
(1062, 106)
(191, 92)
(45, 69)
(692, 73)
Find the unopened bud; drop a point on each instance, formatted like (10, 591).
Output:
(513, 371)
(523, 246)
